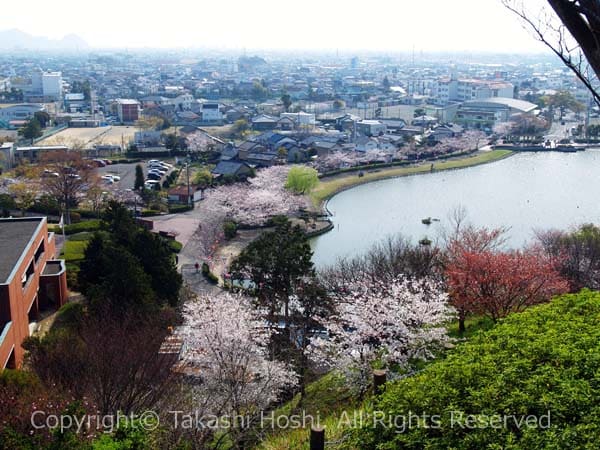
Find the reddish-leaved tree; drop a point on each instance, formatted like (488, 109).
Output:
(497, 283)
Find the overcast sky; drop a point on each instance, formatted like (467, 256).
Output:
(428, 25)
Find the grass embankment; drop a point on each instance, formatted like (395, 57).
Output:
(327, 188)
(529, 381)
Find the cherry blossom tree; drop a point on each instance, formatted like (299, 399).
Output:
(250, 203)
(226, 351)
(383, 323)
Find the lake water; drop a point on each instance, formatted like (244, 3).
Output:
(525, 192)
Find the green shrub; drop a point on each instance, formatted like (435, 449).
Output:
(543, 361)
(87, 225)
(149, 212)
(7, 202)
(230, 229)
(211, 277)
(175, 245)
(174, 209)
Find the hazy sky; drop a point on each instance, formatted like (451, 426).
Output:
(456, 25)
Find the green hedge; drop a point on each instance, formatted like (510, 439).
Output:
(149, 212)
(88, 225)
(543, 361)
(174, 209)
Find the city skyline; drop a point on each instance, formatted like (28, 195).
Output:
(459, 26)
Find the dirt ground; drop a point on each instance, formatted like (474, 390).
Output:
(110, 135)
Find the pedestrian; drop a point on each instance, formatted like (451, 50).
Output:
(197, 266)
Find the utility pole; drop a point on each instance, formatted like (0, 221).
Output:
(187, 168)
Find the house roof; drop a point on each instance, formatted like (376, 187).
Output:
(229, 167)
(15, 237)
(263, 118)
(262, 156)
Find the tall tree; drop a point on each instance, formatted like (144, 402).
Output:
(274, 264)
(72, 180)
(31, 130)
(287, 101)
(139, 178)
(43, 118)
(24, 196)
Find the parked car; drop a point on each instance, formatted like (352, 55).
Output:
(49, 173)
(154, 176)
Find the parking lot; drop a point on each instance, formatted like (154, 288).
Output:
(126, 172)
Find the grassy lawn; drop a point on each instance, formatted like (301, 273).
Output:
(73, 250)
(326, 189)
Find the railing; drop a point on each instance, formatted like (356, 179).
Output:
(5, 331)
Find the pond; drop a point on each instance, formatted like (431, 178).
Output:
(526, 192)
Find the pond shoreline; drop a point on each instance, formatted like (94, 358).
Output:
(351, 180)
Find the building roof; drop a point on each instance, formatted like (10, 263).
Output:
(15, 238)
(513, 103)
(229, 167)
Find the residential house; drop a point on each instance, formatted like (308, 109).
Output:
(371, 128)
(445, 131)
(229, 152)
(179, 194)
(263, 122)
(286, 123)
(424, 121)
(232, 169)
(262, 159)
(366, 144)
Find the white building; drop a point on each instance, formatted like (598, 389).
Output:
(47, 84)
(7, 155)
(210, 112)
(183, 102)
(52, 86)
(301, 119)
(452, 89)
(371, 128)
(5, 84)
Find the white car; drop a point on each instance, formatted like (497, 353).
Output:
(110, 179)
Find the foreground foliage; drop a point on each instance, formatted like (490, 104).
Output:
(543, 361)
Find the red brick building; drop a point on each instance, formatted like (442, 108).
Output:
(31, 282)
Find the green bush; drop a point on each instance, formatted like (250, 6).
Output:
(175, 245)
(7, 202)
(174, 209)
(230, 229)
(87, 225)
(149, 212)
(211, 277)
(543, 361)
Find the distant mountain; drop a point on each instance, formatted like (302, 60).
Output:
(19, 40)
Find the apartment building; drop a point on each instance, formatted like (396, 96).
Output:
(32, 282)
(452, 89)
